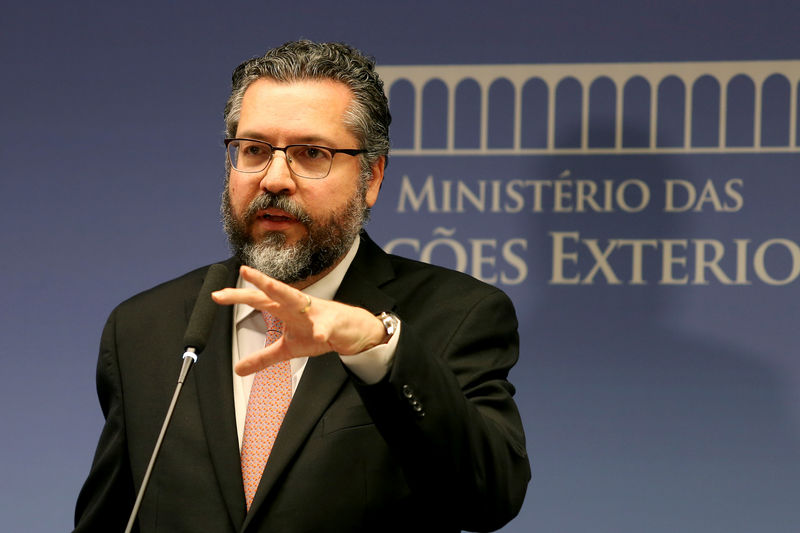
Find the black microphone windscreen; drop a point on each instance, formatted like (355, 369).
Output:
(205, 308)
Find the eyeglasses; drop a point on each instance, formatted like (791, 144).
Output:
(305, 160)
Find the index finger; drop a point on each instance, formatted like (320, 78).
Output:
(277, 291)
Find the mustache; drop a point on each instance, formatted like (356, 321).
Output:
(277, 201)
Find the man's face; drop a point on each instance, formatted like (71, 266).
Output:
(294, 228)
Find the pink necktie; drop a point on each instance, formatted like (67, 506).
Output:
(266, 407)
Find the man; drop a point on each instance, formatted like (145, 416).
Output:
(399, 417)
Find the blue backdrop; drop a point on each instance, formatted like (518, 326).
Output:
(626, 171)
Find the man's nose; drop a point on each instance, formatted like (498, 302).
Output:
(278, 178)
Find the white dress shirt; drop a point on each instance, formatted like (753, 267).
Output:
(249, 332)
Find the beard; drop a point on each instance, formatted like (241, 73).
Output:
(326, 241)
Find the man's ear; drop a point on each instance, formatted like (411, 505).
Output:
(375, 182)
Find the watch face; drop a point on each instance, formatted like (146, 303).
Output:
(389, 323)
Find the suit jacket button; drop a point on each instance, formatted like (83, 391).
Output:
(408, 392)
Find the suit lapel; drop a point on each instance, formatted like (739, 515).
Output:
(369, 270)
(213, 374)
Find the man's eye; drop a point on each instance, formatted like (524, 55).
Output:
(312, 153)
(254, 149)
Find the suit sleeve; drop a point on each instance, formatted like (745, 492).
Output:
(107, 496)
(447, 413)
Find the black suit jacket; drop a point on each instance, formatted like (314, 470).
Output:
(436, 446)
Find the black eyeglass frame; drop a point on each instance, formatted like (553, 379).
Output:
(273, 148)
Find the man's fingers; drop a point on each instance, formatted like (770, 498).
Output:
(259, 360)
(252, 297)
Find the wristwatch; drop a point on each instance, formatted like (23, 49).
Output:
(390, 323)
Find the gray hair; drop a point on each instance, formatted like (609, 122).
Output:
(367, 118)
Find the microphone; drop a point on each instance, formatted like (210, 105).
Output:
(194, 341)
(204, 309)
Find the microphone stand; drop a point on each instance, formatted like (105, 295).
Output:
(189, 358)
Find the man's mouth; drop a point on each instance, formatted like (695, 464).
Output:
(274, 218)
(275, 215)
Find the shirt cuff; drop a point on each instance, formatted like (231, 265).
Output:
(372, 365)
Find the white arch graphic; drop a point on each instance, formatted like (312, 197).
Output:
(586, 73)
